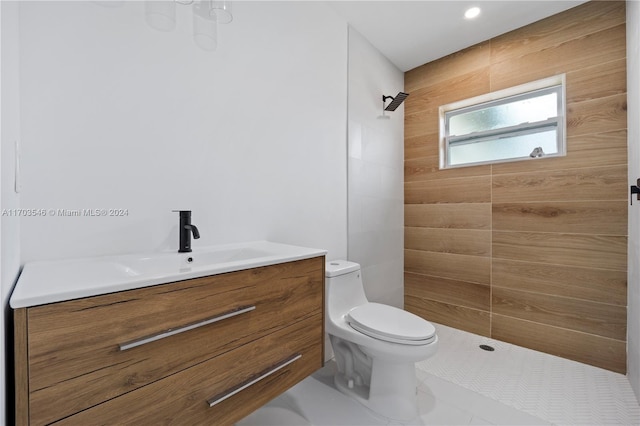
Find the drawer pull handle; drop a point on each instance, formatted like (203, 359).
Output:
(172, 331)
(252, 380)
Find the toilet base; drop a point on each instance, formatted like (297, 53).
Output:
(392, 392)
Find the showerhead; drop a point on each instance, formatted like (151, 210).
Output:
(395, 103)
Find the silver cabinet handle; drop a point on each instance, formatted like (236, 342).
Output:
(170, 332)
(252, 380)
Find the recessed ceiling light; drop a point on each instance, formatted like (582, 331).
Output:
(472, 12)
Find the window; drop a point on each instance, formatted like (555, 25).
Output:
(520, 123)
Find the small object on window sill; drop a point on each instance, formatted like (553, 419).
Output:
(537, 152)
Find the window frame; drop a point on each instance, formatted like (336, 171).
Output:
(555, 84)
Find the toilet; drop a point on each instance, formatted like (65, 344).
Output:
(375, 346)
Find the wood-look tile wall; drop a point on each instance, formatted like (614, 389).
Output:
(530, 252)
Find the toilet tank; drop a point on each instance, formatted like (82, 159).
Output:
(335, 268)
(343, 286)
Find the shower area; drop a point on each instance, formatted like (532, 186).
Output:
(531, 252)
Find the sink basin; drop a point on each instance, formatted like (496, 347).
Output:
(54, 281)
(200, 258)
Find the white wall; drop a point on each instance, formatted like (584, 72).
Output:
(9, 199)
(633, 113)
(376, 172)
(251, 138)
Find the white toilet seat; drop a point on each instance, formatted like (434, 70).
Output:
(391, 324)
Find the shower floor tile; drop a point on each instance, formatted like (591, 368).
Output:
(464, 385)
(548, 387)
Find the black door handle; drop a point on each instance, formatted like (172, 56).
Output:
(635, 189)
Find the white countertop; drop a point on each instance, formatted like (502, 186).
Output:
(56, 281)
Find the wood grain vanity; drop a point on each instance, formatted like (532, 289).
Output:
(205, 351)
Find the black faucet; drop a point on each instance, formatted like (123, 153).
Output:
(185, 230)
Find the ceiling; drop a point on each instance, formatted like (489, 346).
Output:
(412, 33)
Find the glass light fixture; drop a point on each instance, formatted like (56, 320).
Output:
(205, 27)
(160, 15)
(222, 10)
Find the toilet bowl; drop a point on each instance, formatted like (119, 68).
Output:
(375, 346)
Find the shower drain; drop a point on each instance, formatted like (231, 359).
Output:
(487, 348)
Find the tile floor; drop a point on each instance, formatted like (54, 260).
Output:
(464, 385)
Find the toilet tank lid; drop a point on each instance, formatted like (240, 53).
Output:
(334, 268)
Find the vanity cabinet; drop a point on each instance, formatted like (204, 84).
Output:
(207, 350)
